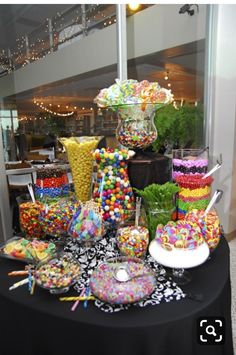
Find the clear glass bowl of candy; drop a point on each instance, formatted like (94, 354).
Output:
(57, 214)
(58, 274)
(133, 235)
(29, 216)
(189, 162)
(87, 225)
(122, 280)
(30, 251)
(136, 128)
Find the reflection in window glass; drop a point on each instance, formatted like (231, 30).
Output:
(63, 106)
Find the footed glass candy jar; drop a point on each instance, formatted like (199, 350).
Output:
(136, 128)
(112, 189)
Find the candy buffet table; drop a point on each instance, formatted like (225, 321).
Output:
(42, 325)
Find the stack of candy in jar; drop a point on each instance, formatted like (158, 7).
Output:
(22, 248)
(189, 166)
(112, 189)
(57, 273)
(209, 224)
(194, 193)
(133, 92)
(57, 214)
(80, 158)
(87, 223)
(29, 215)
(51, 183)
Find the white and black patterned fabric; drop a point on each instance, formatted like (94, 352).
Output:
(90, 257)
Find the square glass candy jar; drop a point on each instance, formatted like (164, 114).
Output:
(189, 162)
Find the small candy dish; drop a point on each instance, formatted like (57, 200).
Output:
(29, 251)
(122, 280)
(57, 274)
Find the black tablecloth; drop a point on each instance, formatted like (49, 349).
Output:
(42, 325)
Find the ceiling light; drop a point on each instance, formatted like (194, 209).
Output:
(169, 84)
(133, 6)
(75, 107)
(166, 77)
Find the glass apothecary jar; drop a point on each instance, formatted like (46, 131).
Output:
(189, 162)
(136, 128)
(133, 235)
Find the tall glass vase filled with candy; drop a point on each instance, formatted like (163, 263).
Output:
(80, 156)
(112, 188)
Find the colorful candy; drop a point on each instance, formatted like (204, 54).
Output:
(209, 224)
(87, 223)
(194, 193)
(51, 182)
(179, 235)
(133, 241)
(105, 286)
(133, 92)
(112, 189)
(21, 248)
(57, 274)
(189, 162)
(29, 213)
(81, 163)
(57, 214)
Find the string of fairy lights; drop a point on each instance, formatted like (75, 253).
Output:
(37, 45)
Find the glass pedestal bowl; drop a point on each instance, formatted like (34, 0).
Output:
(58, 274)
(179, 246)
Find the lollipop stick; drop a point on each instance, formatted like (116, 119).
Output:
(215, 198)
(216, 167)
(137, 211)
(31, 192)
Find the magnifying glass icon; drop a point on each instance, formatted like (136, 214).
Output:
(210, 330)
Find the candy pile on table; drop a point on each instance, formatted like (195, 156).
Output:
(209, 224)
(133, 241)
(194, 193)
(51, 182)
(104, 286)
(112, 189)
(29, 215)
(133, 92)
(79, 151)
(179, 235)
(57, 273)
(57, 214)
(87, 223)
(21, 248)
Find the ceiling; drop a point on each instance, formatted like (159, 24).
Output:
(20, 20)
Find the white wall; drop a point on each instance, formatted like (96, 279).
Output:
(223, 116)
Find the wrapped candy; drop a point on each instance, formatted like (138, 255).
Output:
(112, 189)
(87, 224)
(80, 156)
(209, 224)
(133, 92)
